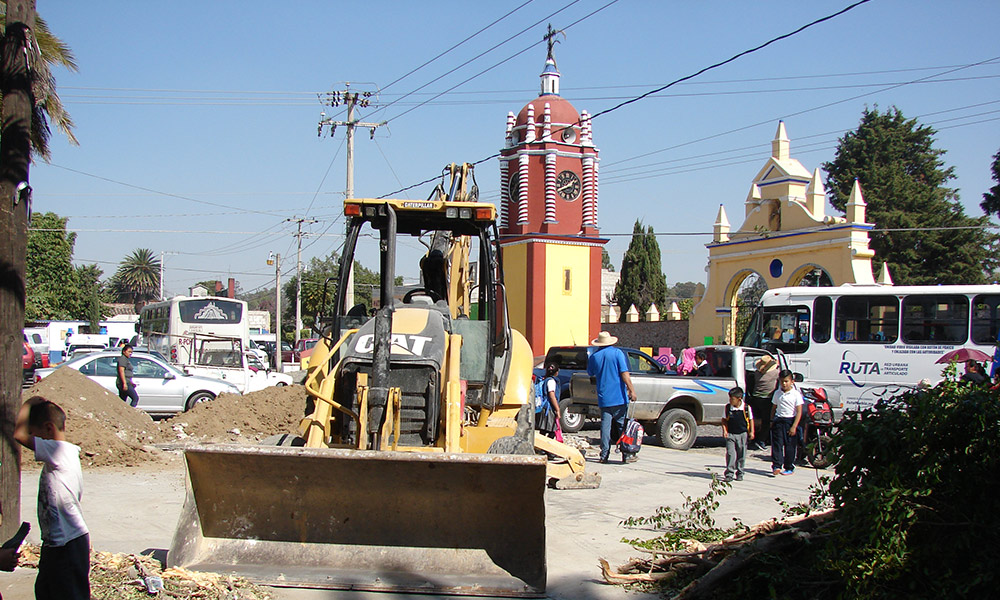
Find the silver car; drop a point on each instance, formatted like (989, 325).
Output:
(163, 388)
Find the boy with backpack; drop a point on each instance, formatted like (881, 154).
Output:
(737, 428)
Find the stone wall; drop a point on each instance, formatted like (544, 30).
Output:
(671, 334)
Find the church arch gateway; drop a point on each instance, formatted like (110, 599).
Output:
(786, 238)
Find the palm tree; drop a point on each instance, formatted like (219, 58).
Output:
(138, 278)
(48, 107)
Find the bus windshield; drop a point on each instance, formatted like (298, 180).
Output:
(784, 328)
(210, 310)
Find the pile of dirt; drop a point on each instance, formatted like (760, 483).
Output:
(241, 419)
(107, 430)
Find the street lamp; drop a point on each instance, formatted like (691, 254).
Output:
(275, 259)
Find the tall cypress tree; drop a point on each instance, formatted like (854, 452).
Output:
(991, 199)
(642, 281)
(903, 180)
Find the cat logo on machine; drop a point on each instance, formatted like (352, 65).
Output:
(413, 344)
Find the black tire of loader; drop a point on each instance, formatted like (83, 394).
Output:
(511, 445)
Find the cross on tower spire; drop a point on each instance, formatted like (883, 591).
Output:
(550, 38)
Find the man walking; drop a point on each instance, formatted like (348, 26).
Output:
(609, 369)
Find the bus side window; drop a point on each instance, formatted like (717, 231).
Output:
(985, 318)
(822, 319)
(935, 319)
(871, 319)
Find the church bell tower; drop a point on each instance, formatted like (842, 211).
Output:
(548, 218)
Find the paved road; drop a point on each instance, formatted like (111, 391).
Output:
(136, 511)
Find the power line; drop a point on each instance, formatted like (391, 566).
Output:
(676, 81)
(311, 94)
(474, 58)
(159, 193)
(511, 57)
(797, 113)
(411, 72)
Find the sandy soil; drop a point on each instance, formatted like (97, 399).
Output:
(110, 433)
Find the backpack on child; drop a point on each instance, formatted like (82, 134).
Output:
(541, 396)
(631, 439)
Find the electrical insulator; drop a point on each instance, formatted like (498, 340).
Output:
(373, 133)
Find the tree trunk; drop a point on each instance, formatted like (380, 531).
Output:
(15, 152)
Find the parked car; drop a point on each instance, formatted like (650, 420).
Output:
(263, 376)
(672, 406)
(39, 347)
(28, 365)
(163, 388)
(258, 350)
(294, 355)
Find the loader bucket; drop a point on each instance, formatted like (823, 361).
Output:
(464, 524)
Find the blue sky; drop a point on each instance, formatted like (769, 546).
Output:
(197, 121)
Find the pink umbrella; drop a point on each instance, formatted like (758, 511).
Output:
(964, 354)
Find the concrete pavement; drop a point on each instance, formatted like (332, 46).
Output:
(136, 510)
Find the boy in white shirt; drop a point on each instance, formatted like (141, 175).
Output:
(64, 564)
(786, 412)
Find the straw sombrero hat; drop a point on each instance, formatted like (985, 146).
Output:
(604, 339)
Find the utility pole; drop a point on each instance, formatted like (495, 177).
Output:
(163, 254)
(352, 99)
(275, 259)
(18, 55)
(298, 277)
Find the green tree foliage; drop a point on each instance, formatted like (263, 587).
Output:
(606, 260)
(56, 289)
(138, 278)
(687, 289)
(49, 266)
(48, 107)
(92, 295)
(917, 506)
(991, 199)
(314, 276)
(923, 522)
(903, 180)
(642, 281)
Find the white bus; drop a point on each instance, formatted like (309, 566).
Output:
(169, 326)
(861, 343)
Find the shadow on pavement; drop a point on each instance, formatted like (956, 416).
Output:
(157, 554)
(698, 474)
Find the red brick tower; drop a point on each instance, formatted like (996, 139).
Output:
(548, 219)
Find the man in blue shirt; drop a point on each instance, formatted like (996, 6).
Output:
(609, 369)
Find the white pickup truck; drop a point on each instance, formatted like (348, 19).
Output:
(225, 359)
(672, 406)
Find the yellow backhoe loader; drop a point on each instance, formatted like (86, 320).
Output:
(417, 468)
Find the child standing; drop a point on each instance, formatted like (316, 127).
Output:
(786, 412)
(64, 564)
(737, 428)
(547, 421)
